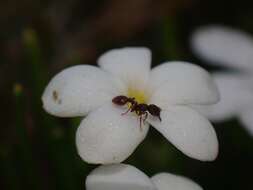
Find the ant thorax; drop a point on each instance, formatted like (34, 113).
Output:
(140, 109)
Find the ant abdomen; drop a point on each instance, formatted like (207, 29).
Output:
(155, 111)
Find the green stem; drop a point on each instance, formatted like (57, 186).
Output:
(23, 149)
(58, 147)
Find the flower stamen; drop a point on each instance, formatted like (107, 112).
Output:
(139, 95)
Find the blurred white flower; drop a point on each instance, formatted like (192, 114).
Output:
(221, 45)
(104, 135)
(127, 177)
(232, 48)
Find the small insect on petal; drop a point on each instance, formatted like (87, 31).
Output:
(140, 109)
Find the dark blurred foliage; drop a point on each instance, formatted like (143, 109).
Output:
(39, 38)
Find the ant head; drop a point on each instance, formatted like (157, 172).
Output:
(155, 111)
(120, 100)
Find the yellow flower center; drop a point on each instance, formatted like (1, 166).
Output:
(139, 95)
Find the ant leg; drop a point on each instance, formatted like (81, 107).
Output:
(133, 107)
(127, 111)
(145, 117)
(141, 122)
(160, 118)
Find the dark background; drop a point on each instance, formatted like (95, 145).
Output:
(40, 38)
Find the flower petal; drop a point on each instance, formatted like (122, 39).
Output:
(236, 94)
(246, 117)
(105, 136)
(182, 83)
(188, 131)
(167, 181)
(118, 177)
(223, 45)
(132, 65)
(79, 89)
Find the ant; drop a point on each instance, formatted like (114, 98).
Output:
(139, 109)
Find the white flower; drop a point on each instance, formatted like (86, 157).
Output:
(105, 136)
(127, 177)
(234, 49)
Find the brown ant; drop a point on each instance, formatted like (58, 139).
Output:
(139, 109)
